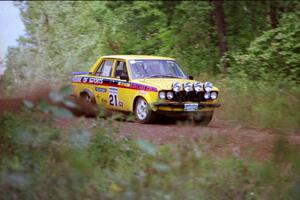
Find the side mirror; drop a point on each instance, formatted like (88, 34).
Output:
(124, 77)
(191, 77)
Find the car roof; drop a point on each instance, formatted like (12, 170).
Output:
(133, 57)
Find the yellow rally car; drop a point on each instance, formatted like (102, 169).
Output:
(146, 86)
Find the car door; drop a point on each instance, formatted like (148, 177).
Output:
(120, 99)
(103, 76)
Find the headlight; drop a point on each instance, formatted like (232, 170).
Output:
(188, 86)
(208, 86)
(176, 87)
(206, 95)
(213, 95)
(198, 86)
(170, 95)
(162, 95)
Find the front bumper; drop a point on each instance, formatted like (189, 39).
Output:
(179, 106)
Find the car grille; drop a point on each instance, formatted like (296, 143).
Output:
(193, 96)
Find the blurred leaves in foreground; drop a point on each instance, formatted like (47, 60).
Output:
(40, 160)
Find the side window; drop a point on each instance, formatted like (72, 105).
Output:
(105, 68)
(120, 69)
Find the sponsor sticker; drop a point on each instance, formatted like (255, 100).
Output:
(124, 84)
(96, 81)
(98, 89)
(85, 79)
(142, 87)
(113, 90)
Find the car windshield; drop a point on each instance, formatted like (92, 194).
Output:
(155, 69)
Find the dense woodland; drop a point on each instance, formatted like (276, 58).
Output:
(258, 39)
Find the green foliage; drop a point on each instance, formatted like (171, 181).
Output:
(68, 36)
(190, 37)
(246, 20)
(263, 104)
(273, 54)
(106, 151)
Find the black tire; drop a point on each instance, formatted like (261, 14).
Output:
(143, 112)
(88, 105)
(203, 118)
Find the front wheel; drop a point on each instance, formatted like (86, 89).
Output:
(203, 118)
(143, 112)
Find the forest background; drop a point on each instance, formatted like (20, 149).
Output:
(249, 49)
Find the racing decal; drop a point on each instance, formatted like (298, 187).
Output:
(142, 87)
(125, 84)
(85, 79)
(98, 89)
(96, 81)
(113, 90)
(113, 96)
(115, 83)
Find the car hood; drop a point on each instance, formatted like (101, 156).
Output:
(162, 83)
(165, 83)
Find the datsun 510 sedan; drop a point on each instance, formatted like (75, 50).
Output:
(147, 86)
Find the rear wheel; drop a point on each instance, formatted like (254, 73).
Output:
(203, 118)
(143, 112)
(89, 105)
(86, 98)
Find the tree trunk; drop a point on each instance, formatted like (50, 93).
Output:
(273, 15)
(219, 19)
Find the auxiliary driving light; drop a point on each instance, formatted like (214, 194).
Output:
(198, 86)
(176, 86)
(208, 86)
(188, 86)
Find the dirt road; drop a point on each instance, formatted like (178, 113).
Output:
(220, 137)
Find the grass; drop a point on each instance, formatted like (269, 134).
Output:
(267, 104)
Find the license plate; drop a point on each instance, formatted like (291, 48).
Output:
(190, 107)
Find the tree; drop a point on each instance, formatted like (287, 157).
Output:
(273, 14)
(219, 17)
(275, 53)
(62, 37)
